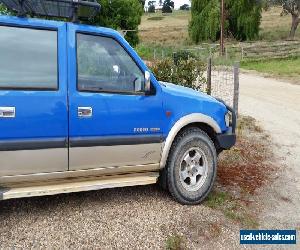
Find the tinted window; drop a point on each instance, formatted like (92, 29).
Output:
(28, 58)
(104, 65)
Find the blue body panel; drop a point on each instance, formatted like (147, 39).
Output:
(39, 114)
(113, 114)
(182, 101)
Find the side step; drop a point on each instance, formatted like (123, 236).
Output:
(76, 185)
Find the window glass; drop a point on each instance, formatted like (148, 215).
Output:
(28, 58)
(104, 65)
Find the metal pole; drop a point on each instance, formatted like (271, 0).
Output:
(209, 64)
(222, 46)
(236, 92)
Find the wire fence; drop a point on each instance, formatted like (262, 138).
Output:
(222, 81)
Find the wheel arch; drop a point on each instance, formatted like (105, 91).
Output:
(204, 122)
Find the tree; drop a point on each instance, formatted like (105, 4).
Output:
(242, 19)
(291, 7)
(121, 14)
(167, 6)
(151, 9)
(184, 7)
(143, 2)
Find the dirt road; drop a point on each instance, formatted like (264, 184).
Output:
(276, 105)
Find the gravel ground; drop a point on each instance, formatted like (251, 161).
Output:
(132, 218)
(276, 105)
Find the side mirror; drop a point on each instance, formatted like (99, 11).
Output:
(147, 81)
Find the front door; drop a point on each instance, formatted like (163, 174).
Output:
(33, 97)
(111, 122)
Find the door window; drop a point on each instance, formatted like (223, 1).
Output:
(28, 58)
(105, 66)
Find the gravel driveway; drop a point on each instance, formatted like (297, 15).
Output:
(276, 105)
(123, 218)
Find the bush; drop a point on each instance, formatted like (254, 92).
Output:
(188, 73)
(182, 55)
(3, 10)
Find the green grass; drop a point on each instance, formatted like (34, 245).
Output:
(175, 242)
(289, 67)
(155, 18)
(231, 208)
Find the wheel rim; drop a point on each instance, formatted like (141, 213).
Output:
(193, 169)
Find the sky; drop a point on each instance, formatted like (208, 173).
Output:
(178, 3)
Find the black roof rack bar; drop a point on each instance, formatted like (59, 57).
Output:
(70, 9)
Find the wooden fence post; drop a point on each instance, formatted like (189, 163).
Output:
(236, 92)
(209, 69)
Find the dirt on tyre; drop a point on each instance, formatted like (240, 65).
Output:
(192, 166)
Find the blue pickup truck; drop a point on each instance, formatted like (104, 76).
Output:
(80, 111)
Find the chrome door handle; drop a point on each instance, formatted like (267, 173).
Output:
(85, 112)
(7, 112)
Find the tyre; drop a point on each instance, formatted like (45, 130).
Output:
(191, 167)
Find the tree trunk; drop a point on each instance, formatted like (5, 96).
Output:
(295, 22)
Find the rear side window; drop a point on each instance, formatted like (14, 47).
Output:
(105, 66)
(28, 59)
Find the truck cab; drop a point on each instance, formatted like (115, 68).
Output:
(79, 111)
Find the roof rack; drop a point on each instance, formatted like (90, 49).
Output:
(74, 10)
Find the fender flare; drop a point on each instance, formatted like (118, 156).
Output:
(182, 122)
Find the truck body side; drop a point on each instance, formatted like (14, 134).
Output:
(73, 105)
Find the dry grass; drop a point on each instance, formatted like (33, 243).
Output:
(242, 172)
(172, 29)
(274, 26)
(247, 167)
(169, 30)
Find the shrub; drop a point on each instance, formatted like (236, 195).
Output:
(182, 55)
(188, 73)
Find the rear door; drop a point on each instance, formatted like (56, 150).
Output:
(112, 123)
(33, 97)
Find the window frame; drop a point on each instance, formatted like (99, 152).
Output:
(141, 93)
(57, 57)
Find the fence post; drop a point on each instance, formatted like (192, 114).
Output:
(242, 53)
(236, 71)
(154, 54)
(209, 68)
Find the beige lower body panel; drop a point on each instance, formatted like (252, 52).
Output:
(23, 162)
(109, 156)
(18, 190)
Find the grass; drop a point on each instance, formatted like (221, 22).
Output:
(175, 242)
(288, 67)
(275, 26)
(231, 208)
(165, 30)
